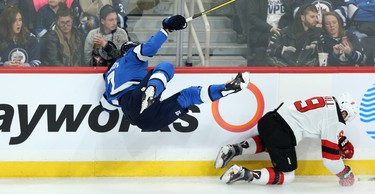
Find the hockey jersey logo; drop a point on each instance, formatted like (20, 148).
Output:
(18, 54)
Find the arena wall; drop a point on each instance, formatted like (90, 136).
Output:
(51, 124)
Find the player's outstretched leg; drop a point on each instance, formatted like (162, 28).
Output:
(226, 154)
(236, 173)
(241, 81)
(197, 95)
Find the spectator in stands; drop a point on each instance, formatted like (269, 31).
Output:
(30, 8)
(122, 18)
(344, 48)
(298, 44)
(108, 31)
(46, 17)
(322, 6)
(263, 19)
(6, 3)
(18, 47)
(362, 13)
(89, 13)
(40, 3)
(62, 46)
(29, 14)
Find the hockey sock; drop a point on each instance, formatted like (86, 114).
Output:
(190, 96)
(159, 85)
(199, 95)
(252, 145)
(159, 80)
(270, 176)
(211, 93)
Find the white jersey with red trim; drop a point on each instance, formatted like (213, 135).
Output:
(318, 117)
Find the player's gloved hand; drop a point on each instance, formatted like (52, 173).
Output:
(346, 148)
(176, 22)
(109, 47)
(346, 177)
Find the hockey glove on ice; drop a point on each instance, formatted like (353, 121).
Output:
(346, 177)
(176, 22)
(346, 148)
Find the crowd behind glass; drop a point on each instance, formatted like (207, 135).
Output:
(277, 32)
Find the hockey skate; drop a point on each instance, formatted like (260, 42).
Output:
(148, 97)
(241, 81)
(226, 154)
(236, 173)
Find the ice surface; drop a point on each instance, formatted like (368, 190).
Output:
(176, 185)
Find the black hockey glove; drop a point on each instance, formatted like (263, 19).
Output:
(176, 22)
(111, 50)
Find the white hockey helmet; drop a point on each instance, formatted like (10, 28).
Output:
(347, 103)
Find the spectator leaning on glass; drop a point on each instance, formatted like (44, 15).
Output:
(343, 48)
(18, 47)
(297, 45)
(108, 31)
(62, 46)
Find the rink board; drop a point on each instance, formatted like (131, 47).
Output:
(51, 124)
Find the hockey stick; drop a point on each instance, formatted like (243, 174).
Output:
(366, 178)
(208, 11)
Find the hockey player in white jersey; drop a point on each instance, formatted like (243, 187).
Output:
(281, 130)
(137, 91)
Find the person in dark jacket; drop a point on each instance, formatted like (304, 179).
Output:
(62, 46)
(361, 13)
(297, 45)
(260, 27)
(343, 48)
(45, 17)
(264, 18)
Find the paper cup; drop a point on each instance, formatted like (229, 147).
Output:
(323, 58)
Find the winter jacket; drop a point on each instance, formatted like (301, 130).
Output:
(356, 57)
(118, 37)
(286, 49)
(45, 19)
(361, 10)
(53, 45)
(29, 55)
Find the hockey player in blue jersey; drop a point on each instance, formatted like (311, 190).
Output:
(137, 92)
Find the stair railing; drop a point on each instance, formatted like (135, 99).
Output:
(193, 35)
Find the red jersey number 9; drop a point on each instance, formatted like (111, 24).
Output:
(310, 104)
